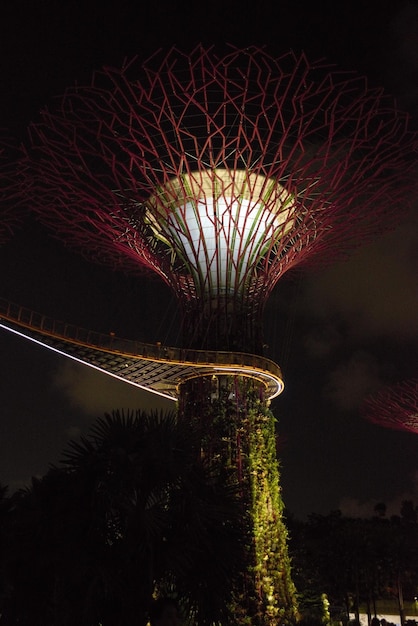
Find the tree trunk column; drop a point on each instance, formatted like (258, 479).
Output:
(238, 430)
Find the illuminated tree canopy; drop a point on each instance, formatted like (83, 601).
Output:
(121, 165)
(395, 407)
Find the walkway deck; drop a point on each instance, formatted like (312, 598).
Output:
(154, 367)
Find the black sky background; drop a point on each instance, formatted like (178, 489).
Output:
(338, 334)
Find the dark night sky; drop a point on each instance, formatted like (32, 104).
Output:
(338, 334)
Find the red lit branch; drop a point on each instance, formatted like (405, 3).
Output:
(396, 407)
(10, 189)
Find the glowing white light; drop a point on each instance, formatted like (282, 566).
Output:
(222, 224)
(223, 239)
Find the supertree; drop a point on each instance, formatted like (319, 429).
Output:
(395, 407)
(219, 173)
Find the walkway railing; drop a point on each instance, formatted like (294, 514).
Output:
(248, 364)
(111, 343)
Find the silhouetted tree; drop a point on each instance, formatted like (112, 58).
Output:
(355, 561)
(132, 510)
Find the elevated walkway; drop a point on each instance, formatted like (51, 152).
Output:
(153, 367)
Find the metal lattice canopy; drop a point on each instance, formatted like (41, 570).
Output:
(220, 173)
(396, 407)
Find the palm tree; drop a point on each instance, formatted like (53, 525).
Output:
(52, 554)
(131, 511)
(168, 516)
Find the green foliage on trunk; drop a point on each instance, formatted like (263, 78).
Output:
(238, 431)
(272, 571)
